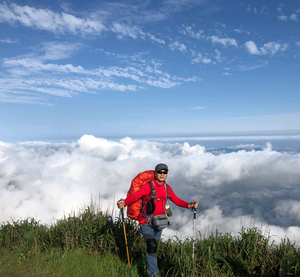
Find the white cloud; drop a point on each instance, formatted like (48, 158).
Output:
(44, 19)
(294, 17)
(288, 209)
(268, 48)
(206, 60)
(272, 47)
(176, 45)
(232, 187)
(251, 67)
(189, 79)
(188, 30)
(35, 75)
(284, 47)
(240, 31)
(263, 10)
(155, 39)
(243, 146)
(221, 24)
(22, 99)
(280, 118)
(298, 43)
(224, 41)
(138, 57)
(251, 47)
(8, 40)
(57, 51)
(218, 55)
(198, 108)
(197, 59)
(35, 65)
(226, 73)
(123, 30)
(255, 10)
(156, 64)
(171, 6)
(61, 23)
(283, 17)
(17, 88)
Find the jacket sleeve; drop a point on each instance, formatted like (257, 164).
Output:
(143, 191)
(177, 201)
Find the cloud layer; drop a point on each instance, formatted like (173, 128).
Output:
(268, 48)
(44, 73)
(261, 188)
(45, 19)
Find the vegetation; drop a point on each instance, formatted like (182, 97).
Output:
(92, 244)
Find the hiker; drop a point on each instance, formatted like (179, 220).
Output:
(150, 228)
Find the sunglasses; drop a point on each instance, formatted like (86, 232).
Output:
(162, 172)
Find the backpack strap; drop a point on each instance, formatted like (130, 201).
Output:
(145, 201)
(153, 195)
(167, 190)
(152, 189)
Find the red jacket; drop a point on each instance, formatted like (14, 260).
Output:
(161, 193)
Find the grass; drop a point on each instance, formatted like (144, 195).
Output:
(91, 243)
(70, 263)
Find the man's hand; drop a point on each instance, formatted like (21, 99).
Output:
(121, 203)
(193, 204)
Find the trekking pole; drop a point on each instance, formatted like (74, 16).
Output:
(122, 211)
(194, 211)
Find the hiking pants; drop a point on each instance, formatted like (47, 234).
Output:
(151, 259)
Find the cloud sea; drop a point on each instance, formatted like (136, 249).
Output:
(248, 185)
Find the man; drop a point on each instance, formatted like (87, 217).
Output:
(152, 234)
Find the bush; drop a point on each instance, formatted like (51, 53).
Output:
(97, 234)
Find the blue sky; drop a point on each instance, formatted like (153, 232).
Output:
(147, 68)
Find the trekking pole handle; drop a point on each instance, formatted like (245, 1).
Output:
(194, 210)
(193, 203)
(122, 204)
(122, 209)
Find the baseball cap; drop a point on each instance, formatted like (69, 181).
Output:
(161, 167)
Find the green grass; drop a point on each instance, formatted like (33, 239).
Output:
(70, 263)
(92, 244)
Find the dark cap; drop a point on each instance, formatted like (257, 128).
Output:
(161, 167)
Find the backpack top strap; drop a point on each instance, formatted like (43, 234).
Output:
(145, 200)
(167, 190)
(152, 189)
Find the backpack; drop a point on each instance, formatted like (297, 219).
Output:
(134, 209)
(138, 209)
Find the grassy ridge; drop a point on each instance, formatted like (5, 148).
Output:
(71, 263)
(92, 244)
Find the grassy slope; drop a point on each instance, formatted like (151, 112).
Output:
(70, 263)
(92, 244)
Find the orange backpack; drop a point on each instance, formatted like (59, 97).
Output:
(134, 209)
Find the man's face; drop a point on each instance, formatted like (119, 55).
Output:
(161, 175)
